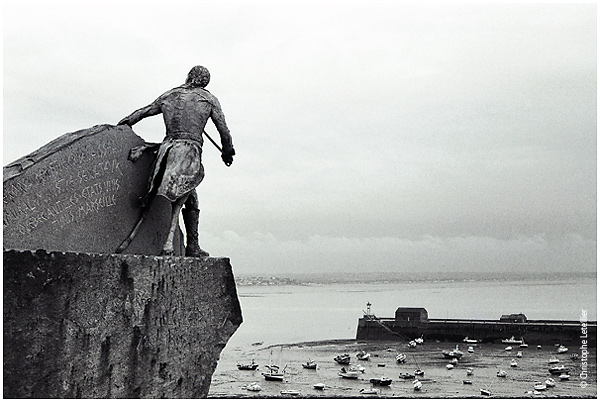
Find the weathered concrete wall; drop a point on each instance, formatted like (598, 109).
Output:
(114, 326)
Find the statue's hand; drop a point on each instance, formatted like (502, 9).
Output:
(227, 156)
(136, 152)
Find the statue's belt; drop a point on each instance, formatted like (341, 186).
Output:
(182, 135)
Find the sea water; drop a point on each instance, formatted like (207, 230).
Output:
(297, 313)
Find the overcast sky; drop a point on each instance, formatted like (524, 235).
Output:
(369, 136)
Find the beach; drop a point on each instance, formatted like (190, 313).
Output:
(438, 381)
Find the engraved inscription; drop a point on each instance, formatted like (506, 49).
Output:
(83, 181)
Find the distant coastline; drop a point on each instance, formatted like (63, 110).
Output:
(405, 277)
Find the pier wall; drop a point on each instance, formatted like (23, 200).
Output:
(492, 331)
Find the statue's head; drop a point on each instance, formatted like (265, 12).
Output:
(198, 77)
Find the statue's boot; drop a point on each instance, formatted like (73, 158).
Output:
(191, 218)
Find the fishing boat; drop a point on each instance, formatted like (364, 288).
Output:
(412, 344)
(401, 358)
(383, 381)
(311, 365)
(470, 349)
(508, 348)
(292, 392)
(512, 341)
(564, 377)
(562, 349)
(420, 340)
(550, 383)
(363, 355)
(343, 358)
(513, 363)
(320, 386)
(407, 376)
(273, 374)
(485, 392)
(539, 386)
(449, 366)
(250, 366)
(455, 353)
(419, 372)
(557, 370)
(369, 391)
(519, 354)
(253, 387)
(501, 373)
(417, 385)
(350, 374)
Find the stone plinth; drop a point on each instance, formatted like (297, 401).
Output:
(114, 326)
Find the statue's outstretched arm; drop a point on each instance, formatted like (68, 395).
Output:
(147, 111)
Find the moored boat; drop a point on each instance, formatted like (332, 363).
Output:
(343, 358)
(363, 355)
(369, 391)
(501, 373)
(451, 354)
(319, 386)
(557, 370)
(512, 341)
(467, 382)
(292, 392)
(539, 386)
(383, 381)
(311, 365)
(417, 385)
(562, 349)
(401, 358)
(550, 383)
(350, 374)
(407, 376)
(485, 392)
(273, 374)
(250, 366)
(253, 387)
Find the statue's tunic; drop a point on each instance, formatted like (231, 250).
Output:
(178, 168)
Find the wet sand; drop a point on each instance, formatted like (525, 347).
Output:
(438, 381)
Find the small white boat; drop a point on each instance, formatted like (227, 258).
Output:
(469, 371)
(417, 385)
(468, 340)
(508, 348)
(553, 361)
(539, 346)
(401, 358)
(319, 386)
(450, 354)
(292, 392)
(369, 391)
(470, 349)
(513, 363)
(358, 368)
(550, 383)
(485, 392)
(564, 377)
(519, 354)
(539, 386)
(253, 387)
(454, 361)
(501, 373)
(419, 340)
(512, 341)
(350, 374)
(557, 370)
(363, 355)
(412, 344)
(419, 372)
(562, 349)
(449, 366)
(523, 345)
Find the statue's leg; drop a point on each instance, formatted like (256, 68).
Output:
(191, 218)
(168, 248)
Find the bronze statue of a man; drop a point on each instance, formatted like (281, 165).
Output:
(178, 166)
